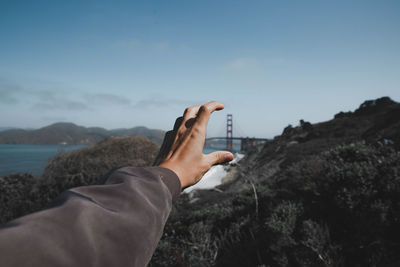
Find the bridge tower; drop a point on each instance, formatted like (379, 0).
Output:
(229, 135)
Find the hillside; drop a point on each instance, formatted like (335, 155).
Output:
(324, 194)
(71, 134)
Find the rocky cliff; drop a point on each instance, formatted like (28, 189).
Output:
(325, 194)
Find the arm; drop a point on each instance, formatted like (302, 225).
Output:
(115, 224)
(120, 222)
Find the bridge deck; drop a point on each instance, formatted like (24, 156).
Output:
(238, 138)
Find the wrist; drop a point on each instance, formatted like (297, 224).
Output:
(184, 182)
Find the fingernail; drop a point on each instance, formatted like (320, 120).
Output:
(228, 157)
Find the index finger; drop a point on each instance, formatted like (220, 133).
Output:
(205, 112)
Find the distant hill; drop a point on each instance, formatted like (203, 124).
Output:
(69, 133)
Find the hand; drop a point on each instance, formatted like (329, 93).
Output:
(182, 149)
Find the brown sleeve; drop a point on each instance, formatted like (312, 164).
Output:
(118, 223)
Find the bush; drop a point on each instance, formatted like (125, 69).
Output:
(21, 194)
(86, 166)
(338, 208)
(15, 197)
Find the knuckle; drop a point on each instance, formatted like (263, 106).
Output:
(218, 157)
(196, 131)
(181, 132)
(205, 108)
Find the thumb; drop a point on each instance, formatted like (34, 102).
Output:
(219, 157)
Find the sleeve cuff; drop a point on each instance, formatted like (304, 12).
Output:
(170, 179)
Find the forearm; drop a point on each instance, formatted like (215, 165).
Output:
(115, 224)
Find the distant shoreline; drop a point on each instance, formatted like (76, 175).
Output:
(72, 134)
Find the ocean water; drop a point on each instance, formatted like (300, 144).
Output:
(33, 158)
(28, 158)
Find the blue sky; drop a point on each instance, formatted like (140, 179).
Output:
(126, 63)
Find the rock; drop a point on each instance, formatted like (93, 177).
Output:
(374, 106)
(288, 130)
(292, 143)
(306, 126)
(231, 176)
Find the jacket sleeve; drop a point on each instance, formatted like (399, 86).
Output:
(118, 223)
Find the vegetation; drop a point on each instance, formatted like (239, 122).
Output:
(325, 194)
(22, 193)
(15, 197)
(338, 208)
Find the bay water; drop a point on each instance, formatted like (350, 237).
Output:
(28, 158)
(33, 158)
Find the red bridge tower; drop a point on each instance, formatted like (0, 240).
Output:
(229, 135)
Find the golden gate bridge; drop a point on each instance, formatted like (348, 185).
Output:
(246, 143)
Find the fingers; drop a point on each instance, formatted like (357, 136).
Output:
(205, 112)
(181, 125)
(178, 123)
(165, 147)
(189, 116)
(219, 157)
(191, 112)
(200, 113)
(195, 115)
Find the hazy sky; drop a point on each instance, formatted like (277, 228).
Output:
(126, 63)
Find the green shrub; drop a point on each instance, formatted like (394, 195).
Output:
(21, 194)
(337, 208)
(15, 196)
